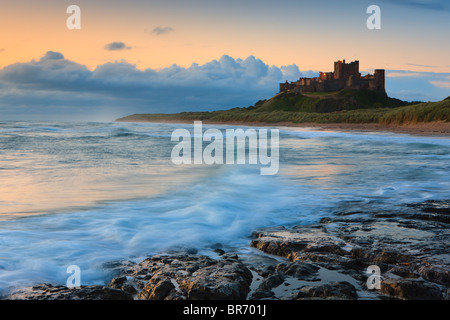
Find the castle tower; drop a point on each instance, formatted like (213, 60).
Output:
(379, 76)
(344, 70)
(351, 81)
(339, 69)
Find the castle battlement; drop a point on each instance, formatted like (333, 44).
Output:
(345, 76)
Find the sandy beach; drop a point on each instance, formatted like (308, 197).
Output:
(438, 128)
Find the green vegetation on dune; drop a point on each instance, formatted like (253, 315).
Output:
(287, 101)
(353, 106)
(421, 112)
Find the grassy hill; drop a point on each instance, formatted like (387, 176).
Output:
(421, 112)
(345, 106)
(322, 102)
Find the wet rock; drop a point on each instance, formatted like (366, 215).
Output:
(432, 210)
(410, 289)
(325, 220)
(299, 270)
(408, 244)
(122, 283)
(219, 251)
(403, 272)
(272, 281)
(322, 261)
(191, 277)
(156, 289)
(289, 243)
(334, 290)
(283, 274)
(118, 267)
(437, 273)
(264, 290)
(230, 257)
(51, 292)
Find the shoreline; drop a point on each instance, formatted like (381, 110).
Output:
(437, 128)
(328, 260)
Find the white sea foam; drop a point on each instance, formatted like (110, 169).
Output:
(225, 209)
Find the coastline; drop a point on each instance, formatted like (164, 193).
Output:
(334, 259)
(325, 260)
(437, 128)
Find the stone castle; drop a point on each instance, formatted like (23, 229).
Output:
(345, 76)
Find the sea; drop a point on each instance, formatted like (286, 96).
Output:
(87, 194)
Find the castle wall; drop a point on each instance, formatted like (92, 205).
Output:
(345, 75)
(335, 85)
(286, 86)
(379, 75)
(344, 70)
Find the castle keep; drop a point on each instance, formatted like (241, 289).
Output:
(345, 76)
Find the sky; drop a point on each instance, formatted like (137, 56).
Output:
(146, 56)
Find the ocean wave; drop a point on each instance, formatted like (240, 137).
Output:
(320, 173)
(363, 137)
(225, 208)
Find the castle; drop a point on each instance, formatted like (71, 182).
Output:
(345, 76)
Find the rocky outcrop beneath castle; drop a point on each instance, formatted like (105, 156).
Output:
(328, 260)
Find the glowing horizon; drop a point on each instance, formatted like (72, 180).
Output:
(155, 35)
(308, 35)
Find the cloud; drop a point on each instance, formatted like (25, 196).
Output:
(421, 65)
(55, 88)
(441, 84)
(54, 82)
(51, 55)
(51, 71)
(411, 85)
(404, 74)
(116, 46)
(441, 5)
(162, 30)
(290, 72)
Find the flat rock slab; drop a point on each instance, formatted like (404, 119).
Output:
(409, 246)
(51, 292)
(192, 277)
(301, 239)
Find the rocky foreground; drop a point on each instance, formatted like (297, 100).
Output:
(329, 260)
